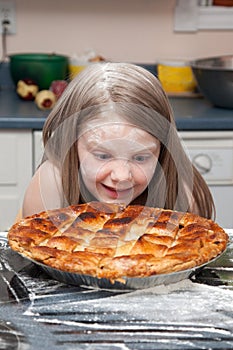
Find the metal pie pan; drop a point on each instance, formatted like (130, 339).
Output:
(130, 283)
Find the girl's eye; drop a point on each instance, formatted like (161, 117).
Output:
(141, 158)
(102, 156)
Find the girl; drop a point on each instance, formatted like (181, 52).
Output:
(111, 137)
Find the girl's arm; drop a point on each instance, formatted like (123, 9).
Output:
(44, 191)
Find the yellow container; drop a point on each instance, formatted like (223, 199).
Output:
(176, 77)
(75, 69)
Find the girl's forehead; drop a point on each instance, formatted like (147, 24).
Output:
(117, 131)
(111, 125)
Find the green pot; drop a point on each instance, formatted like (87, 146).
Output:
(40, 67)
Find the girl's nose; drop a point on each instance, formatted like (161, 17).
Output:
(121, 171)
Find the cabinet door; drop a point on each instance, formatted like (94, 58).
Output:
(15, 172)
(37, 149)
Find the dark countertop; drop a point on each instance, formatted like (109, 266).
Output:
(191, 113)
(18, 114)
(38, 311)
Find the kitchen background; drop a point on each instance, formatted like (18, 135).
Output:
(122, 30)
(140, 31)
(38, 312)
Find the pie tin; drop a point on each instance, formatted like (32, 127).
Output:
(130, 283)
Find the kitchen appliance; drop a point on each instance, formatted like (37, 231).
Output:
(214, 77)
(42, 68)
(37, 311)
(212, 154)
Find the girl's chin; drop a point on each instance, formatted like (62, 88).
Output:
(115, 201)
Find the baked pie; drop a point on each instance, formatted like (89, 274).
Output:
(112, 241)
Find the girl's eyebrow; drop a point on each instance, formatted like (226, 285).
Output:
(93, 145)
(105, 148)
(149, 148)
(152, 146)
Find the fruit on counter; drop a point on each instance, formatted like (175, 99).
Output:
(45, 99)
(27, 89)
(58, 86)
(97, 58)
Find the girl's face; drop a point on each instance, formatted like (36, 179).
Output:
(117, 161)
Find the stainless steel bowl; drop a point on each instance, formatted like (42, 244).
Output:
(214, 78)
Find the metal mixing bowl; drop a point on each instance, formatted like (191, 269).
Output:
(43, 68)
(214, 78)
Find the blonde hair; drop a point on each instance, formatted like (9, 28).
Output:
(136, 95)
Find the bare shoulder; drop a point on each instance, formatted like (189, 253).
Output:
(44, 190)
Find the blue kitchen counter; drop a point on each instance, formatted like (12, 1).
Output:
(18, 114)
(193, 113)
(200, 115)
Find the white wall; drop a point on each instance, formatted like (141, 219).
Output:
(121, 30)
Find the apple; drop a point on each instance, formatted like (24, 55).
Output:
(27, 89)
(45, 99)
(58, 86)
(97, 58)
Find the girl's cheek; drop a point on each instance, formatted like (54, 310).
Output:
(101, 172)
(92, 169)
(87, 167)
(144, 174)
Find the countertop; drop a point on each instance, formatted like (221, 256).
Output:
(39, 312)
(191, 113)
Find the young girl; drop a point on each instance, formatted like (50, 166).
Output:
(111, 137)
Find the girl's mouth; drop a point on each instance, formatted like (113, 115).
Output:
(115, 193)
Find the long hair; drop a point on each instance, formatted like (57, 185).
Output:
(137, 96)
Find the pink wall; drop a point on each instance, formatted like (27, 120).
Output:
(121, 30)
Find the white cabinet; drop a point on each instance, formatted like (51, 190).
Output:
(192, 15)
(37, 148)
(15, 172)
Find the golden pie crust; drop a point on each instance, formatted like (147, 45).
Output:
(113, 241)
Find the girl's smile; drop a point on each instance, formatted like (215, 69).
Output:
(117, 161)
(115, 193)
